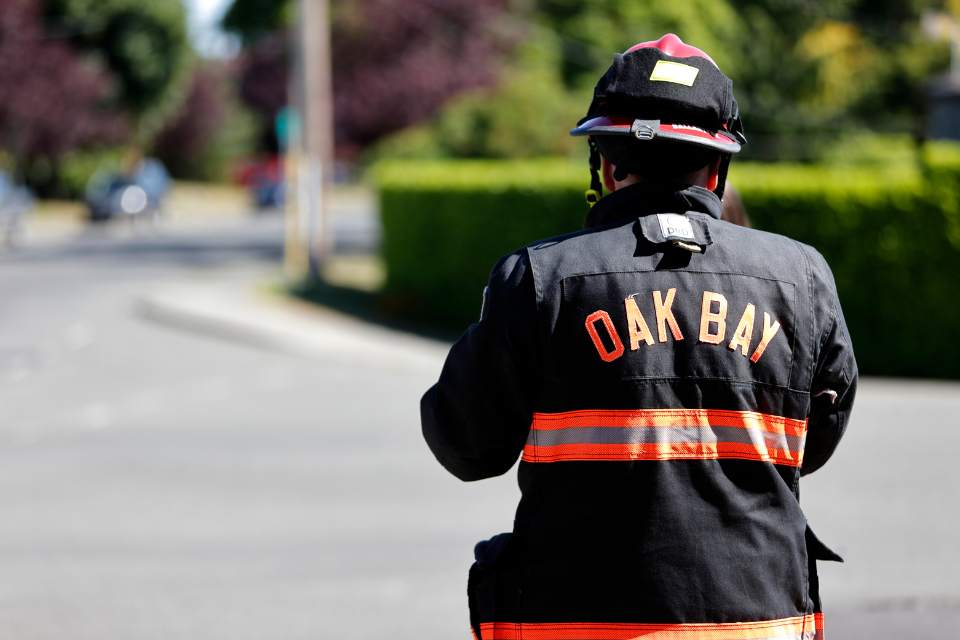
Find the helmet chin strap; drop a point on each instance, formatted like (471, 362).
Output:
(595, 192)
(734, 126)
(722, 174)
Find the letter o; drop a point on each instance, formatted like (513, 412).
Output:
(591, 324)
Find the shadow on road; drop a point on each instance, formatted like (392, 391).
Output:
(371, 307)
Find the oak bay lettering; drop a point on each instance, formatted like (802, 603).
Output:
(713, 327)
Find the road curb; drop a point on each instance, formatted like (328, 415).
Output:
(266, 321)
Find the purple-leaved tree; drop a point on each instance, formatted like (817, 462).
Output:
(50, 101)
(184, 143)
(395, 62)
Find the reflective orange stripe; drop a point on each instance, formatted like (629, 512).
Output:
(807, 627)
(668, 418)
(665, 434)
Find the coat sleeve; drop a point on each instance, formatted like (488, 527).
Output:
(834, 382)
(476, 417)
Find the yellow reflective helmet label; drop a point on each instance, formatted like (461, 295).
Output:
(676, 72)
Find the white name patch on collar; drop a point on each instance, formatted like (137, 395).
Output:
(675, 227)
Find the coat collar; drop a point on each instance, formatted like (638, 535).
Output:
(639, 200)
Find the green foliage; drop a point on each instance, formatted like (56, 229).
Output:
(413, 143)
(526, 116)
(870, 149)
(804, 72)
(941, 165)
(755, 42)
(143, 45)
(891, 235)
(234, 140)
(254, 19)
(592, 31)
(887, 238)
(454, 213)
(211, 129)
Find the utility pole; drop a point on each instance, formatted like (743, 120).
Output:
(310, 170)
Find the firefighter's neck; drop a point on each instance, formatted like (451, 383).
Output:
(706, 177)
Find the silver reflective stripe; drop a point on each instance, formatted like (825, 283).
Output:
(663, 435)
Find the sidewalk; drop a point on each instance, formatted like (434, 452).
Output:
(236, 309)
(53, 220)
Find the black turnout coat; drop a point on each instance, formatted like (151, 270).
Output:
(666, 378)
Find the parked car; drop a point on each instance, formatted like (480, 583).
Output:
(264, 179)
(15, 201)
(138, 194)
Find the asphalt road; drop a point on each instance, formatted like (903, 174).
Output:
(160, 483)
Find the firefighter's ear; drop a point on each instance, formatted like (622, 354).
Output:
(606, 172)
(714, 178)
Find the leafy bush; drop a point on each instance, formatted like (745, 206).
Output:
(445, 223)
(942, 172)
(892, 237)
(519, 118)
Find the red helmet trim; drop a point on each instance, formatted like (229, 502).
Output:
(606, 126)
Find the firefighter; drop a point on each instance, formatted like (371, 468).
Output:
(666, 377)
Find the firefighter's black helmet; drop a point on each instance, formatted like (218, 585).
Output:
(663, 92)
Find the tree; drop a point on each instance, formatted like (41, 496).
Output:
(255, 19)
(906, 61)
(590, 32)
(804, 72)
(395, 62)
(51, 101)
(208, 131)
(142, 44)
(525, 115)
(264, 76)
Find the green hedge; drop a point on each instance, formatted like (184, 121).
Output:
(891, 235)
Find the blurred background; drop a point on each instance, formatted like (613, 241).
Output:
(238, 236)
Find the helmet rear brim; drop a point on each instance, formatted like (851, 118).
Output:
(721, 140)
